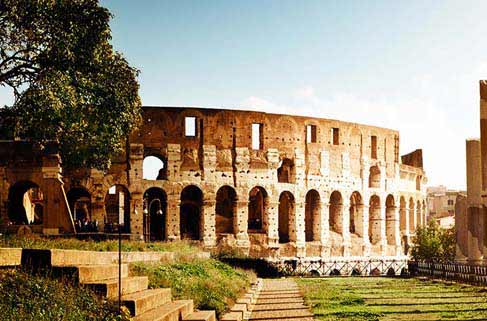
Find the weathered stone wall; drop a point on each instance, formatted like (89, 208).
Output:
(341, 191)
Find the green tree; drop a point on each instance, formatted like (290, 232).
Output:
(69, 84)
(433, 243)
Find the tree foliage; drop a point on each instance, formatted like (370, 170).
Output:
(69, 84)
(433, 243)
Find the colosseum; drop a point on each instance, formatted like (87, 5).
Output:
(266, 184)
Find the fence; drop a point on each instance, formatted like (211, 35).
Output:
(475, 274)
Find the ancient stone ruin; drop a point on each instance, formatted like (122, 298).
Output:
(265, 184)
(470, 211)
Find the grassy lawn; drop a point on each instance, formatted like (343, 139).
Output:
(374, 299)
(39, 242)
(212, 285)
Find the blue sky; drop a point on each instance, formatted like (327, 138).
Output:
(408, 65)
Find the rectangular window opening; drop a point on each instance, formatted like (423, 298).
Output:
(336, 136)
(373, 147)
(190, 126)
(257, 142)
(310, 133)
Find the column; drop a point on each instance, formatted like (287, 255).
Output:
(325, 230)
(137, 216)
(173, 229)
(240, 223)
(474, 198)
(297, 227)
(397, 230)
(271, 214)
(347, 240)
(366, 249)
(383, 234)
(208, 223)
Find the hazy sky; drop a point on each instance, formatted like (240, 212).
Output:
(407, 65)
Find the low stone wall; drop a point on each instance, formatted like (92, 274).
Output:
(10, 257)
(57, 257)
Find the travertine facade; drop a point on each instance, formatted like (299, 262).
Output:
(471, 213)
(272, 185)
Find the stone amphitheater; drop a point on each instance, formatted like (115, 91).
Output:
(268, 185)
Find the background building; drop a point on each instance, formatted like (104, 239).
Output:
(441, 205)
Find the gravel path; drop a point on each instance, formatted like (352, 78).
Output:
(280, 299)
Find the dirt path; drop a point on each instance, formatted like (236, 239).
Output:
(280, 299)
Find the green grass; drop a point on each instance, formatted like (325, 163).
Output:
(212, 285)
(391, 299)
(26, 297)
(39, 242)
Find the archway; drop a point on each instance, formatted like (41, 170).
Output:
(286, 212)
(336, 212)
(25, 203)
(117, 202)
(374, 177)
(79, 200)
(226, 207)
(155, 214)
(285, 172)
(390, 220)
(258, 202)
(154, 168)
(312, 216)
(412, 217)
(374, 220)
(356, 214)
(190, 212)
(418, 214)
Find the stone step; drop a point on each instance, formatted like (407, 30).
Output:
(173, 311)
(283, 319)
(282, 306)
(281, 314)
(109, 288)
(262, 301)
(200, 316)
(140, 302)
(91, 273)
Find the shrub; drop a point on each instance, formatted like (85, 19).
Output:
(433, 243)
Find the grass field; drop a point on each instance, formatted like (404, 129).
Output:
(388, 299)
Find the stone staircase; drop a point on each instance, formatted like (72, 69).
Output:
(143, 303)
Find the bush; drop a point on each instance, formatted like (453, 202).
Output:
(434, 244)
(26, 297)
(212, 285)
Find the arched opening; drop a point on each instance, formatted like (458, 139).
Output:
(412, 217)
(285, 172)
(336, 212)
(257, 207)
(312, 216)
(154, 168)
(226, 207)
(374, 220)
(117, 205)
(418, 214)
(374, 177)
(25, 203)
(190, 212)
(79, 200)
(356, 214)
(286, 212)
(155, 214)
(390, 220)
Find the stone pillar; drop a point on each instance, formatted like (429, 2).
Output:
(173, 216)
(272, 214)
(397, 232)
(207, 230)
(474, 201)
(483, 137)
(383, 234)
(347, 239)
(137, 216)
(296, 227)
(240, 223)
(365, 230)
(325, 230)
(461, 229)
